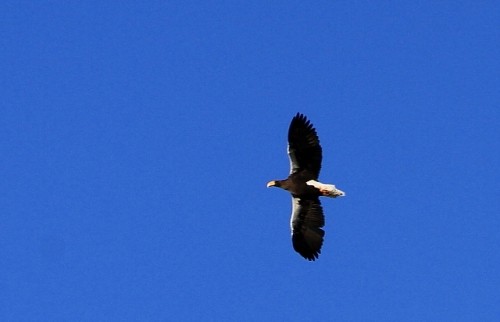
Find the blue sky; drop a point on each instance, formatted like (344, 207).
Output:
(137, 138)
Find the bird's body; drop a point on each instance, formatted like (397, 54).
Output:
(296, 185)
(307, 219)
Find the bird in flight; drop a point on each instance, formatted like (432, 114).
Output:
(305, 155)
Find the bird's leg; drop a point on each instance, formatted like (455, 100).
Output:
(324, 192)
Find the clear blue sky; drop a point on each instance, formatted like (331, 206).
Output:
(137, 137)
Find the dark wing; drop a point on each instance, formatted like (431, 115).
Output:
(304, 149)
(306, 222)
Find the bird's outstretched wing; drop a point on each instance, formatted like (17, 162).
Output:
(304, 149)
(306, 222)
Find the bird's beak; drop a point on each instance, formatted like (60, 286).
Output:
(271, 183)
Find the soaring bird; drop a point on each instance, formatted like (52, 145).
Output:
(305, 155)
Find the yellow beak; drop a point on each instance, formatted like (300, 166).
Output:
(271, 183)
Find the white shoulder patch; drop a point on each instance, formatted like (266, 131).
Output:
(315, 184)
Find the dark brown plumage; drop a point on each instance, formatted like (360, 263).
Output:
(305, 153)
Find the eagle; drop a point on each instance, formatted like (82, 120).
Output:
(305, 154)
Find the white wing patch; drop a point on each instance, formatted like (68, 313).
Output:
(293, 161)
(295, 206)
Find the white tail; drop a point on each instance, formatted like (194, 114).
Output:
(327, 190)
